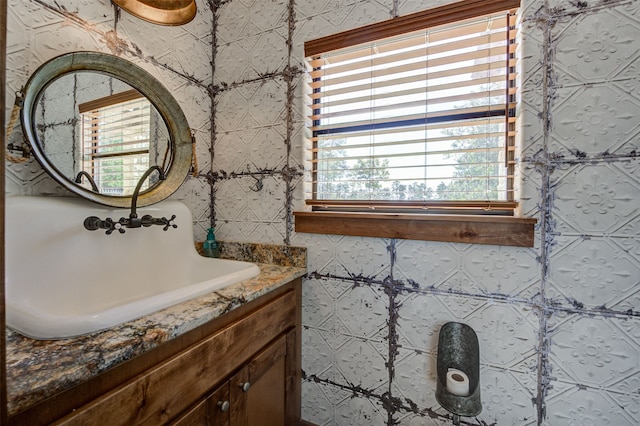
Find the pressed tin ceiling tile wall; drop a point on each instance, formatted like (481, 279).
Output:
(558, 324)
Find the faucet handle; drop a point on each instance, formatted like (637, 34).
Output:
(93, 223)
(169, 223)
(113, 226)
(148, 220)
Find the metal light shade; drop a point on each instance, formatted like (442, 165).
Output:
(163, 12)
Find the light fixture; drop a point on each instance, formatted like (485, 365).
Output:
(163, 12)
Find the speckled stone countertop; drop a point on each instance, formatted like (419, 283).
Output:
(37, 369)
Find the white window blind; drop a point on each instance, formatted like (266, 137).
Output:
(423, 119)
(116, 142)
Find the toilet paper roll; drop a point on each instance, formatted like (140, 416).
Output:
(457, 382)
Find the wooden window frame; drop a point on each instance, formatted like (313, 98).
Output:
(110, 100)
(462, 228)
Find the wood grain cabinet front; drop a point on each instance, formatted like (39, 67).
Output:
(206, 413)
(256, 395)
(241, 370)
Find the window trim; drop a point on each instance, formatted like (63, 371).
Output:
(470, 229)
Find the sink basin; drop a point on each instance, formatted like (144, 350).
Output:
(64, 281)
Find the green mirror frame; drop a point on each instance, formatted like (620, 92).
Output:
(113, 66)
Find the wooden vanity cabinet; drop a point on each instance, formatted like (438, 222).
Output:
(240, 369)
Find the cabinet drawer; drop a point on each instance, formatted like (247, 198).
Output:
(161, 393)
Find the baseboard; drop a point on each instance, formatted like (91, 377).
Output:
(306, 423)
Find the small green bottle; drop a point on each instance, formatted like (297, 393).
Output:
(210, 246)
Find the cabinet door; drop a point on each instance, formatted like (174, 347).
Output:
(196, 416)
(265, 400)
(220, 405)
(214, 410)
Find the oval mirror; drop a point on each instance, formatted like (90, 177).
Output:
(97, 123)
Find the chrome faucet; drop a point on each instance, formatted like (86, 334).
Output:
(93, 223)
(78, 179)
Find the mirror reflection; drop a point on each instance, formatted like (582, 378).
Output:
(85, 121)
(100, 132)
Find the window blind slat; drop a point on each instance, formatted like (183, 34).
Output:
(398, 132)
(399, 106)
(434, 76)
(428, 179)
(409, 41)
(377, 70)
(121, 118)
(436, 116)
(498, 80)
(118, 147)
(410, 142)
(420, 49)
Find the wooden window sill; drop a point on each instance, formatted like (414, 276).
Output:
(495, 230)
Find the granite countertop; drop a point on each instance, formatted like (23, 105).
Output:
(38, 369)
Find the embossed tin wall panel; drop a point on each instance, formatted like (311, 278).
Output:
(557, 323)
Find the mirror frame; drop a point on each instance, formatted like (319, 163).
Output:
(136, 77)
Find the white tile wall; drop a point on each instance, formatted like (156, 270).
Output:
(595, 370)
(594, 199)
(557, 323)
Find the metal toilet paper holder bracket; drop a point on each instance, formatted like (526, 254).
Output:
(458, 348)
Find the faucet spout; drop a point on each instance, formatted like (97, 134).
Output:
(78, 179)
(136, 192)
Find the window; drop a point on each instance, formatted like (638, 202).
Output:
(417, 112)
(115, 141)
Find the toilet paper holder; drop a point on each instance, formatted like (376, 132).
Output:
(458, 348)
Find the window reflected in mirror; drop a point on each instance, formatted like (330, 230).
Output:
(115, 141)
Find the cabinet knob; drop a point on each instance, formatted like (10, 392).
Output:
(224, 405)
(245, 386)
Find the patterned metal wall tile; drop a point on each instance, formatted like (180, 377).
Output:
(322, 260)
(364, 257)
(595, 47)
(507, 397)
(577, 405)
(596, 352)
(591, 120)
(501, 270)
(593, 273)
(373, 307)
(356, 411)
(427, 264)
(245, 60)
(594, 200)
